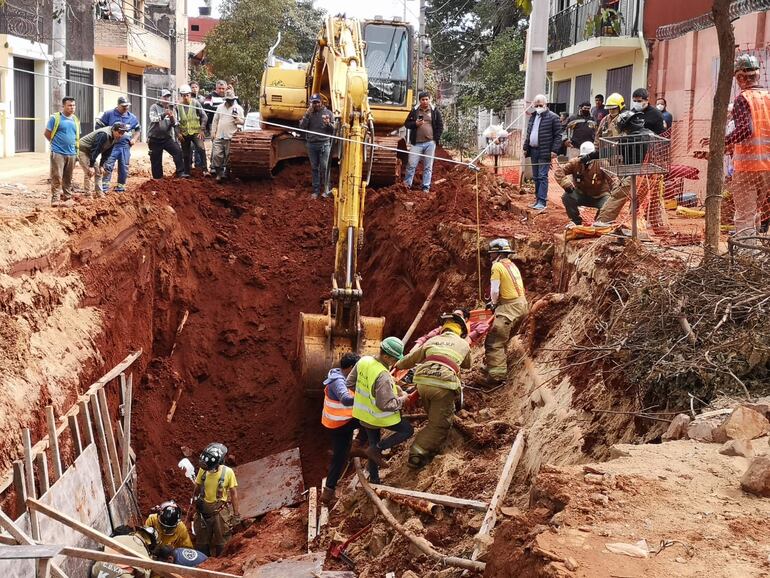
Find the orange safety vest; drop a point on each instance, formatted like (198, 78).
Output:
(335, 414)
(753, 154)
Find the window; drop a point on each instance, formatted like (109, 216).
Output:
(111, 77)
(195, 27)
(387, 63)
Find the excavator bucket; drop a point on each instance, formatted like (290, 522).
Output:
(318, 351)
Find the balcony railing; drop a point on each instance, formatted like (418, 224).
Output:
(593, 19)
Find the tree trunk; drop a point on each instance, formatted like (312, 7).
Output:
(715, 170)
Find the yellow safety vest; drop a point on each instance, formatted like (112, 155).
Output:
(57, 122)
(364, 404)
(191, 123)
(447, 350)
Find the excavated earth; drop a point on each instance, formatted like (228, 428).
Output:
(82, 287)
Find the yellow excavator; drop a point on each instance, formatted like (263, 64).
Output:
(363, 71)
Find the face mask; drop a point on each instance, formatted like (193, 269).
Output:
(661, 107)
(539, 109)
(585, 112)
(637, 106)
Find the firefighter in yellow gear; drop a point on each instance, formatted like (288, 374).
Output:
(509, 303)
(168, 523)
(437, 364)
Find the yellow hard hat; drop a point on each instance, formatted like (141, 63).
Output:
(615, 99)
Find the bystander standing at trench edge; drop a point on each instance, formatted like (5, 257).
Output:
(63, 132)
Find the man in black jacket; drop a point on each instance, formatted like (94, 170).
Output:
(425, 126)
(541, 145)
(581, 127)
(653, 118)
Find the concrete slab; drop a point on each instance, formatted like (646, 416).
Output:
(270, 483)
(296, 567)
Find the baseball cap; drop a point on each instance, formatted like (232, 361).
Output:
(315, 98)
(166, 92)
(122, 100)
(119, 126)
(185, 89)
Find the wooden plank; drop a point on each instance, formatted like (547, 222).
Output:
(160, 567)
(110, 433)
(119, 438)
(20, 486)
(30, 479)
(37, 506)
(312, 519)
(102, 444)
(270, 483)
(293, 567)
(22, 538)
(42, 471)
(77, 444)
(53, 439)
(506, 476)
(323, 515)
(26, 552)
(449, 501)
(114, 372)
(85, 423)
(44, 568)
(127, 403)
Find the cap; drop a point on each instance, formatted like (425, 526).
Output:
(165, 92)
(185, 89)
(123, 100)
(315, 98)
(119, 126)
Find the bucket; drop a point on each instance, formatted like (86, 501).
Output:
(478, 315)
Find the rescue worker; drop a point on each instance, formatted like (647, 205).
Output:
(216, 501)
(192, 119)
(187, 557)
(318, 120)
(63, 132)
(378, 401)
(608, 125)
(437, 366)
(585, 184)
(508, 301)
(92, 146)
(168, 523)
(143, 541)
(227, 120)
(121, 150)
(750, 144)
(581, 127)
(162, 136)
(337, 417)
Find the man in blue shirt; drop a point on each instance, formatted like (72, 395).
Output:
(121, 150)
(180, 556)
(63, 132)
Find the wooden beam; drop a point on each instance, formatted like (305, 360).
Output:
(146, 564)
(37, 506)
(42, 471)
(115, 371)
(30, 479)
(20, 486)
(449, 501)
(77, 444)
(127, 403)
(22, 538)
(323, 514)
(53, 439)
(101, 442)
(110, 433)
(312, 519)
(506, 476)
(86, 423)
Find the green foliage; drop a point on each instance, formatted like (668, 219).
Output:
(459, 130)
(236, 49)
(204, 77)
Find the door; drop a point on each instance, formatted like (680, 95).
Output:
(582, 90)
(134, 83)
(562, 91)
(79, 86)
(619, 80)
(24, 104)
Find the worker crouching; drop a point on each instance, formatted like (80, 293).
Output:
(168, 524)
(378, 401)
(509, 303)
(216, 501)
(437, 365)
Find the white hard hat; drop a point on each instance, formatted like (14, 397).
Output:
(185, 89)
(587, 148)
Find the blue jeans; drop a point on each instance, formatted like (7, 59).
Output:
(200, 156)
(422, 148)
(318, 152)
(540, 175)
(121, 154)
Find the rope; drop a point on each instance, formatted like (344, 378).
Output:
(478, 239)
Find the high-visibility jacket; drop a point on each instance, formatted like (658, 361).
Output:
(753, 154)
(335, 414)
(190, 118)
(364, 403)
(444, 354)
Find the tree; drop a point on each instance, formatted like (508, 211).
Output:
(715, 169)
(236, 49)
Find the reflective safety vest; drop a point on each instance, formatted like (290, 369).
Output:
(443, 356)
(335, 414)
(364, 405)
(189, 121)
(753, 154)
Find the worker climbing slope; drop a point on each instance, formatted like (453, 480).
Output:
(509, 303)
(437, 377)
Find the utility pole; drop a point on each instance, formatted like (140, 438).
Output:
(58, 54)
(537, 51)
(421, 49)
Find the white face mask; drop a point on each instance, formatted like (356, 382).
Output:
(661, 107)
(637, 106)
(539, 109)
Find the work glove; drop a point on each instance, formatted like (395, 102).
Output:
(569, 190)
(411, 402)
(490, 306)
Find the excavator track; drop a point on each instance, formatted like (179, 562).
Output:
(252, 154)
(386, 169)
